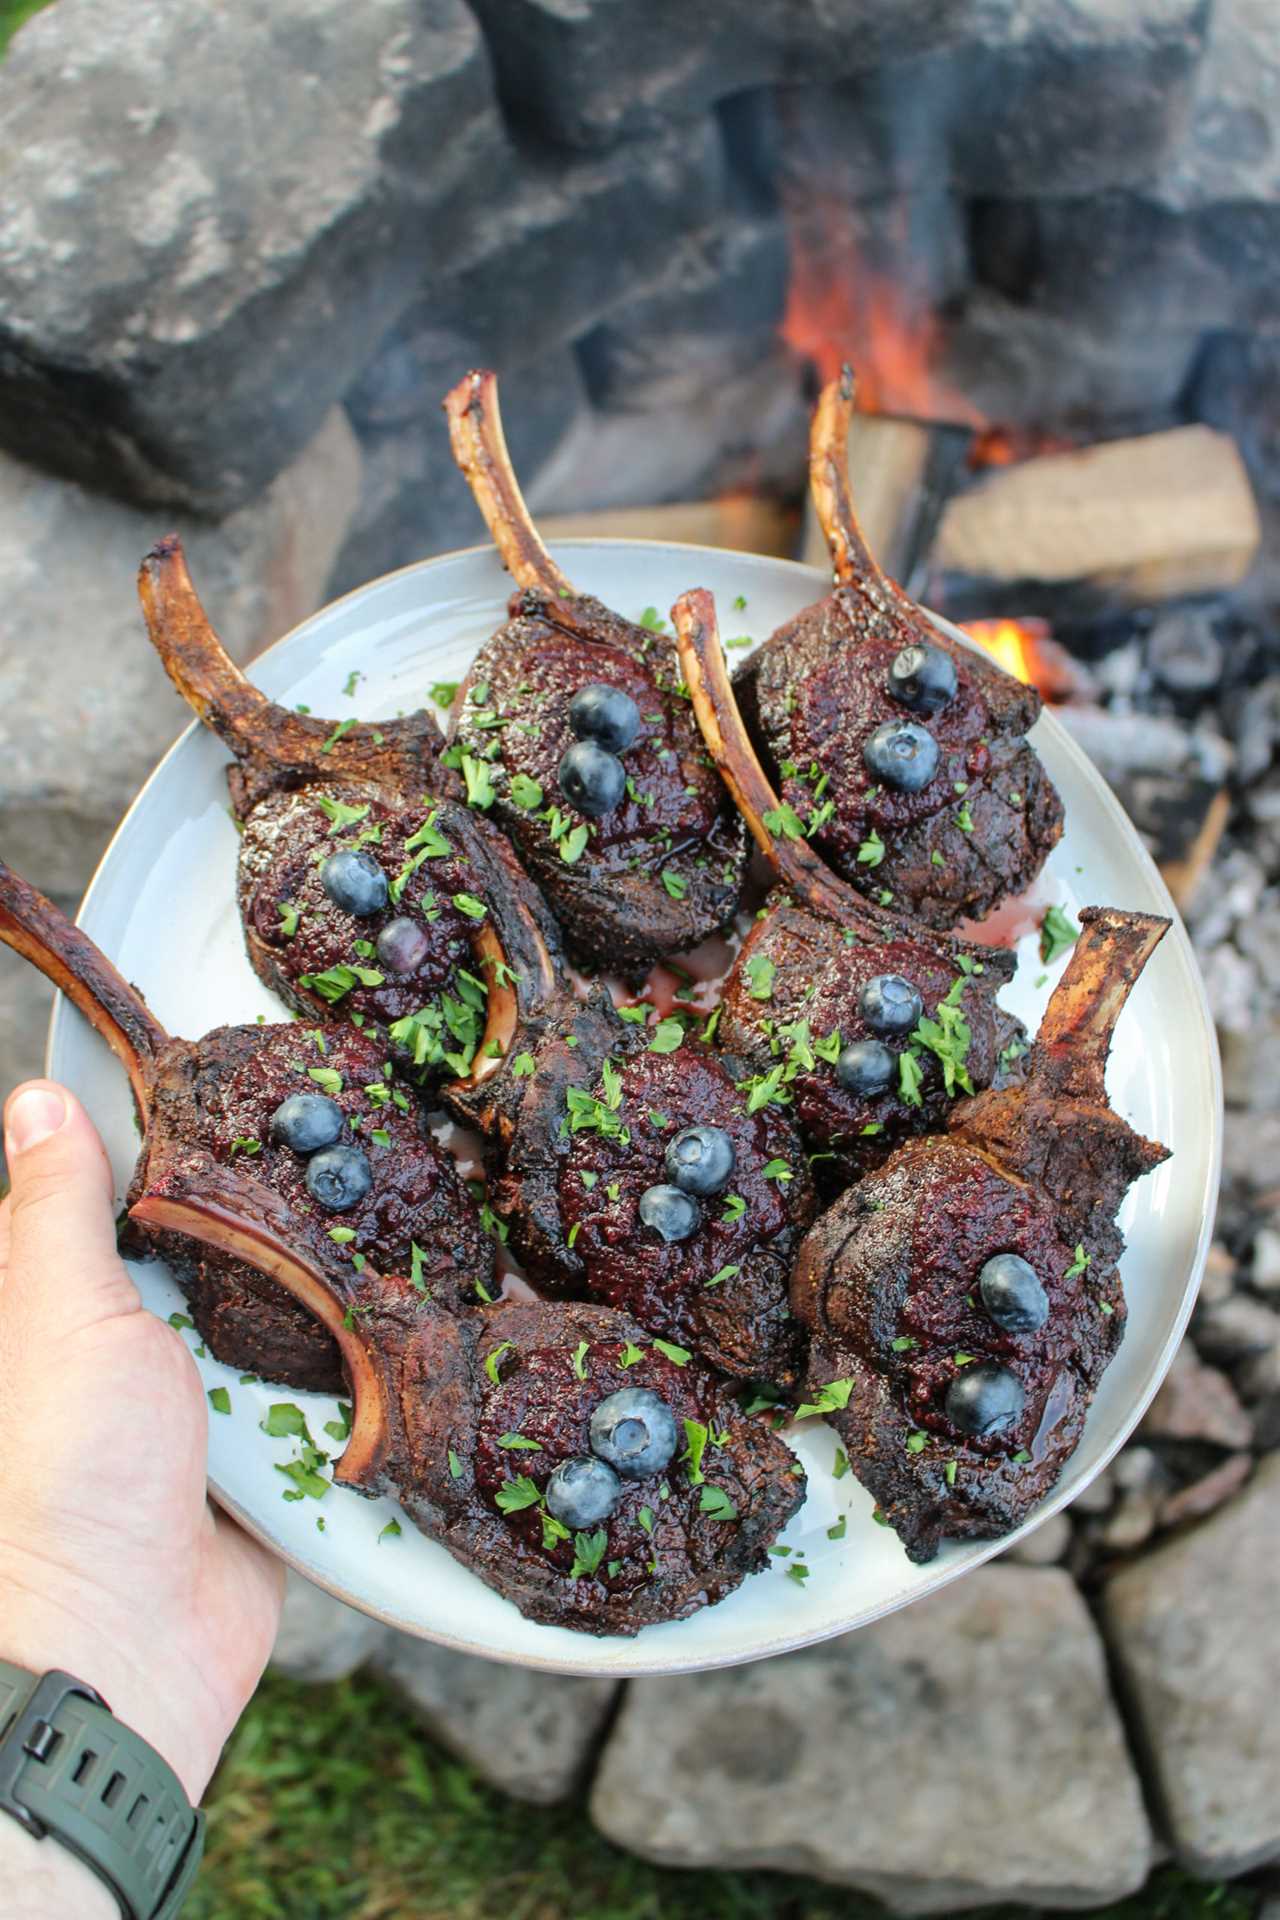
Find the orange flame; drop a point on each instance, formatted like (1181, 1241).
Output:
(1010, 643)
(838, 308)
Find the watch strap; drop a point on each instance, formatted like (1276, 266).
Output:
(70, 1769)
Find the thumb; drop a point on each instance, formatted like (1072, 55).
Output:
(63, 1268)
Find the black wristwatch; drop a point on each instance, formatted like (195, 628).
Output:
(70, 1769)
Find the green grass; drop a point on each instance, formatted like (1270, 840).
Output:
(332, 1805)
(12, 15)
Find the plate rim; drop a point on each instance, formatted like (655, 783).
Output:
(975, 1553)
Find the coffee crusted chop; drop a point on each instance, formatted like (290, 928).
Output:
(485, 953)
(663, 869)
(588, 1126)
(209, 1103)
(465, 1417)
(888, 1280)
(796, 994)
(815, 693)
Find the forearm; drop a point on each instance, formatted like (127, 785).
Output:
(40, 1880)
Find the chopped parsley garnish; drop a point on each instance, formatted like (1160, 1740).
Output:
(784, 820)
(917, 1442)
(219, 1399)
(949, 1473)
(909, 1079)
(340, 732)
(342, 1236)
(245, 1143)
(760, 971)
(455, 1465)
(652, 619)
(339, 814)
(390, 1532)
(284, 1420)
(476, 774)
(492, 1359)
(588, 1552)
(525, 793)
(840, 1528)
(1057, 934)
(580, 1353)
(828, 1399)
(695, 1434)
(574, 844)
(798, 1572)
(678, 1356)
(1081, 1261)
(778, 1170)
(630, 1354)
(443, 692)
(716, 1502)
(515, 1442)
(336, 982)
(871, 852)
(667, 1036)
(904, 1343)
(676, 885)
(522, 1066)
(841, 1465)
(734, 1207)
(513, 1496)
(725, 1273)
(468, 904)
(289, 917)
(645, 1517)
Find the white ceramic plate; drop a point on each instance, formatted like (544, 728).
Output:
(162, 906)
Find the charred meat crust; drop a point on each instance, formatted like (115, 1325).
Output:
(818, 973)
(538, 1371)
(571, 1197)
(211, 1104)
(887, 1281)
(664, 870)
(295, 932)
(813, 695)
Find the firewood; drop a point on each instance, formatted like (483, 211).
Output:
(1145, 519)
(735, 521)
(887, 462)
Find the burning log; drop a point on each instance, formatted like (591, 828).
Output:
(1137, 520)
(736, 521)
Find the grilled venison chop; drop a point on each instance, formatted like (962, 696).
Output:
(662, 869)
(306, 790)
(815, 693)
(892, 1281)
(209, 1103)
(586, 1132)
(435, 1395)
(798, 991)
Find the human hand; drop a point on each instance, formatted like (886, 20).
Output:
(113, 1566)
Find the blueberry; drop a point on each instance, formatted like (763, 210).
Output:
(355, 882)
(903, 755)
(923, 678)
(339, 1178)
(1012, 1293)
(402, 946)
(890, 1004)
(582, 1492)
(306, 1122)
(982, 1400)
(669, 1212)
(700, 1159)
(635, 1431)
(606, 715)
(592, 780)
(866, 1066)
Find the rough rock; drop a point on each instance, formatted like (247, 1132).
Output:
(413, 500)
(1205, 1495)
(568, 240)
(592, 71)
(747, 429)
(321, 1639)
(1192, 1632)
(532, 1734)
(1251, 1065)
(1260, 1384)
(1195, 1402)
(909, 1759)
(1235, 1329)
(1264, 1269)
(1139, 1481)
(208, 215)
(1220, 1270)
(83, 720)
(1045, 1546)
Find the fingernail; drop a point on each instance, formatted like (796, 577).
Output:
(32, 1117)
